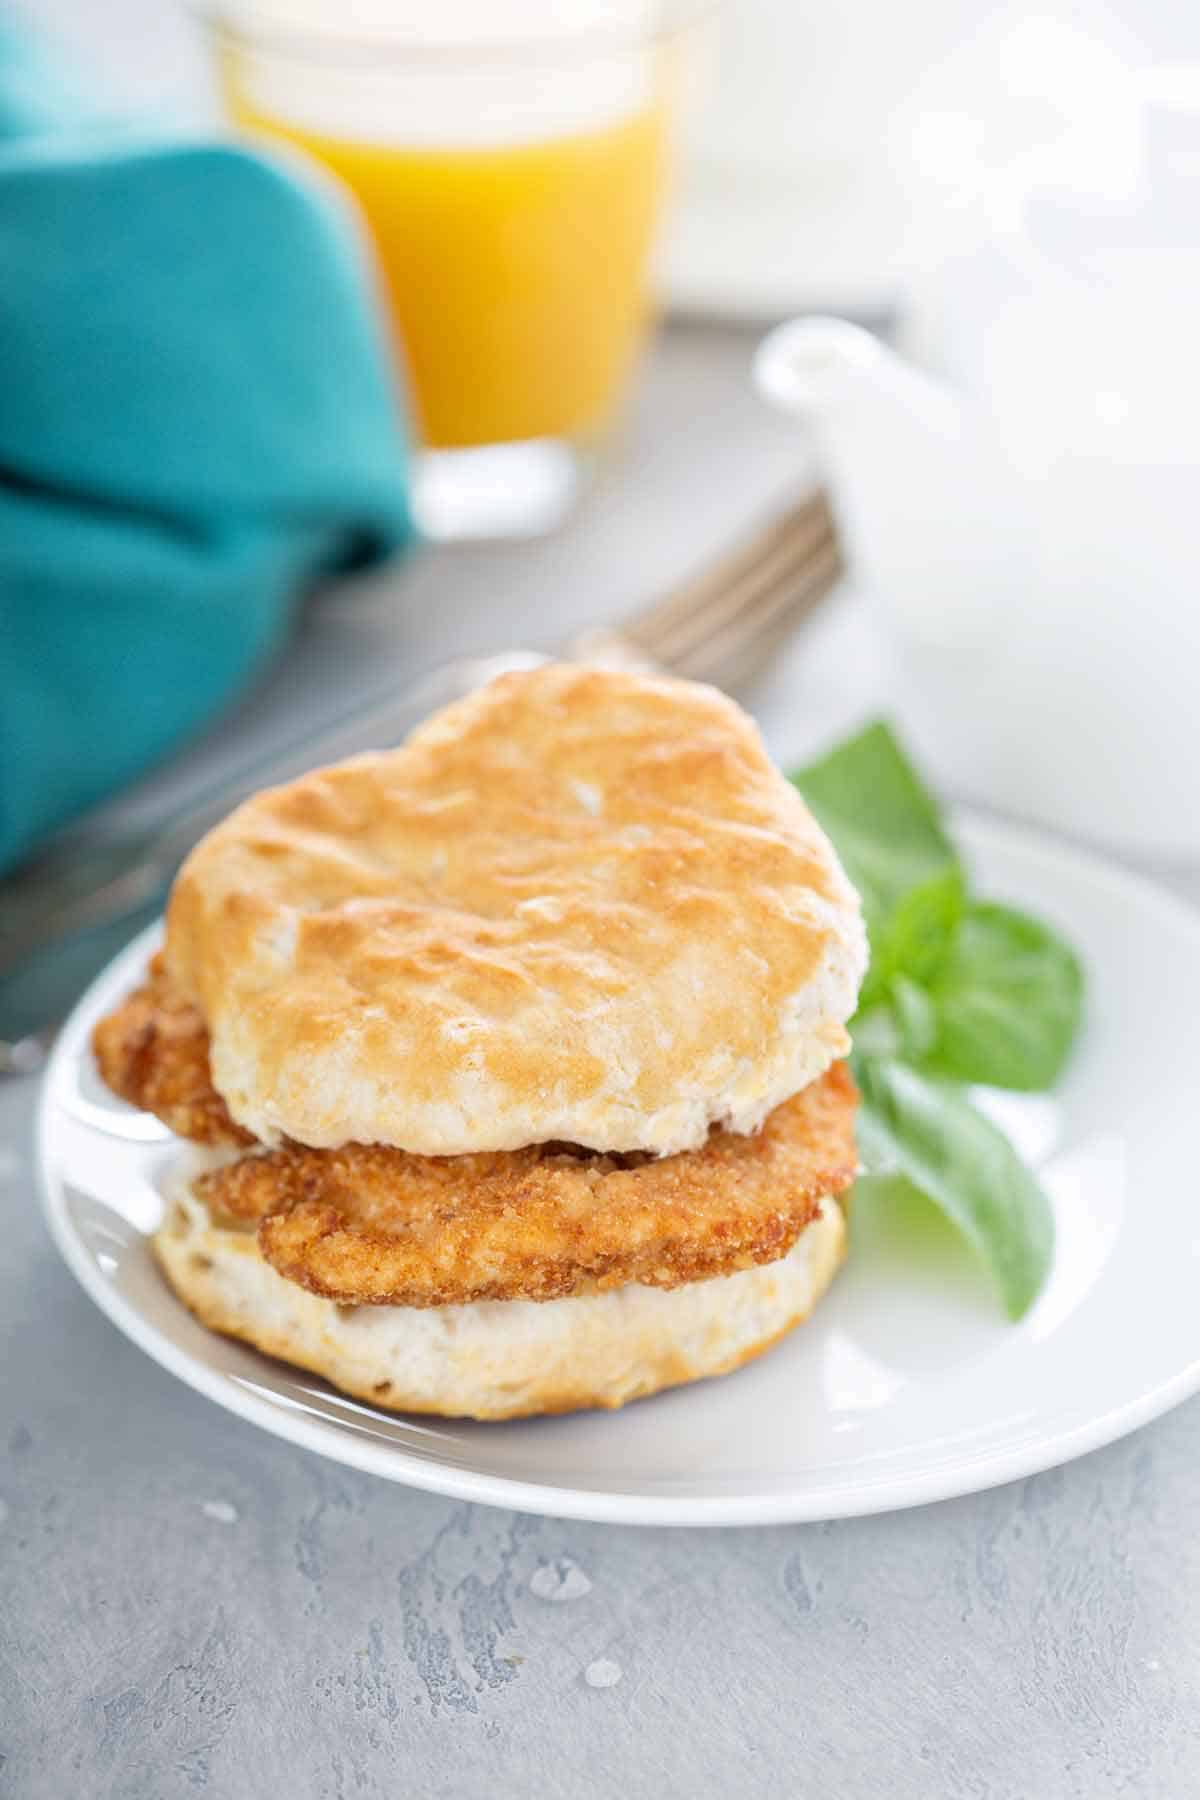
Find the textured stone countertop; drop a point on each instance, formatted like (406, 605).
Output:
(191, 1608)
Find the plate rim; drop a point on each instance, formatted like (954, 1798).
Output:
(887, 1493)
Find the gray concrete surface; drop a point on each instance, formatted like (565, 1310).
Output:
(190, 1608)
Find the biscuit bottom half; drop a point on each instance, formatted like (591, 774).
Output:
(497, 1359)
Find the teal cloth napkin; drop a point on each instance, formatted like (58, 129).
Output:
(197, 420)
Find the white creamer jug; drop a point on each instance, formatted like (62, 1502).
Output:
(1030, 531)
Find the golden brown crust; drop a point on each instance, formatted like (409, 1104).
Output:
(369, 1225)
(578, 904)
(153, 1051)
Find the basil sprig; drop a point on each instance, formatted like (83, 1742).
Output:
(960, 992)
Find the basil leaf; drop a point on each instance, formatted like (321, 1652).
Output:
(915, 937)
(915, 1018)
(1008, 995)
(876, 1033)
(884, 823)
(931, 1134)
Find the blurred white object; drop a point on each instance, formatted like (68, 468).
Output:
(467, 23)
(844, 143)
(1029, 529)
(463, 74)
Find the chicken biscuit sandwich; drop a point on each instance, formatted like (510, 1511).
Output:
(513, 1056)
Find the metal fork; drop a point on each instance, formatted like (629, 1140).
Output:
(724, 623)
(65, 914)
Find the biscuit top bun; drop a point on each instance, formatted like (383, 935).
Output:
(579, 904)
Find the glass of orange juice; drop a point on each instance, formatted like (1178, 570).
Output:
(510, 159)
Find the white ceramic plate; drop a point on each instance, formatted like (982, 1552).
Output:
(907, 1386)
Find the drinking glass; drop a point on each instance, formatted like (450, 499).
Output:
(510, 159)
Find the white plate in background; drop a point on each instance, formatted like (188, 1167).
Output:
(907, 1386)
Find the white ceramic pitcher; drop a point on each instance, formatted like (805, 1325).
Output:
(1030, 531)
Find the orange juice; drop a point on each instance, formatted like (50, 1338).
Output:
(516, 274)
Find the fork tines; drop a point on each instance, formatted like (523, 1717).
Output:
(722, 624)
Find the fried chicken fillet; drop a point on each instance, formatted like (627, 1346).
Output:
(370, 1225)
